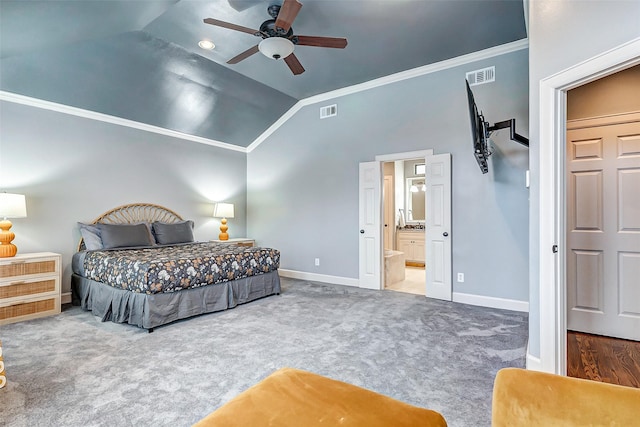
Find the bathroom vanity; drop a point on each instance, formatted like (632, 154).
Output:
(411, 242)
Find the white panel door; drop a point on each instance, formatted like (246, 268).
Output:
(370, 213)
(603, 230)
(438, 226)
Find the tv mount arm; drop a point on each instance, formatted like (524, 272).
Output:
(511, 124)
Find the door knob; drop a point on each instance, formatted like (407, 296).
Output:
(361, 231)
(445, 234)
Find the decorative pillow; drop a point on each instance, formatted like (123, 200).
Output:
(125, 235)
(176, 232)
(91, 236)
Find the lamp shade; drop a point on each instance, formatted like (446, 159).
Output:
(223, 210)
(12, 206)
(276, 47)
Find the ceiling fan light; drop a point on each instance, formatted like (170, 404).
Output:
(276, 47)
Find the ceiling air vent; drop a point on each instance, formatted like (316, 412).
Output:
(328, 111)
(478, 77)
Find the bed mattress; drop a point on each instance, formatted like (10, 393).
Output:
(164, 269)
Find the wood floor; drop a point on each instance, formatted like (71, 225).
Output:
(605, 359)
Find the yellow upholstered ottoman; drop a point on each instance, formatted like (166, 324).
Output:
(3, 378)
(524, 398)
(294, 398)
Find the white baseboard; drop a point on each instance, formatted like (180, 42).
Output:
(324, 278)
(65, 298)
(492, 302)
(533, 363)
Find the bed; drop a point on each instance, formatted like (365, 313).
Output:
(138, 264)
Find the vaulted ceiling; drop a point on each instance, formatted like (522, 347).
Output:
(140, 60)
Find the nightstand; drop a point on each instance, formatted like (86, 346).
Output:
(240, 241)
(29, 286)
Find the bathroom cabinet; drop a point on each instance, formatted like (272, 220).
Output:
(412, 244)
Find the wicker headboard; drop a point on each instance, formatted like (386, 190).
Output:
(134, 213)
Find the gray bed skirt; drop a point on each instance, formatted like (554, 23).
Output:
(151, 310)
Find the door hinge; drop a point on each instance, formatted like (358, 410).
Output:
(554, 249)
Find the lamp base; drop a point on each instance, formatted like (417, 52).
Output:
(223, 230)
(7, 249)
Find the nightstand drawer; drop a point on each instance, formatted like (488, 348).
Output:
(240, 241)
(27, 268)
(29, 309)
(247, 244)
(23, 288)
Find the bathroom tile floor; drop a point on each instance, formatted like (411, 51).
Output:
(414, 282)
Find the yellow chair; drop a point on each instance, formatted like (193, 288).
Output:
(3, 378)
(294, 398)
(524, 398)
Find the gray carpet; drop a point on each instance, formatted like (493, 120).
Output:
(73, 370)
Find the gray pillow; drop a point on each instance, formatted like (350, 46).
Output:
(91, 236)
(125, 235)
(176, 232)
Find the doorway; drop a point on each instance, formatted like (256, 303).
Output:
(603, 229)
(436, 251)
(404, 202)
(551, 210)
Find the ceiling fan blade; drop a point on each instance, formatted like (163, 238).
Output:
(244, 55)
(230, 26)
(294, 65)
(335, 42)
(288, 12)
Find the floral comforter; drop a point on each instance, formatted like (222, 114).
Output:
(158, 269)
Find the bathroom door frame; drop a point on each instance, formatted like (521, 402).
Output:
(551, 211)
(391, 158)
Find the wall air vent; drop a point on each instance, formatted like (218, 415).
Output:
(478, 77)
(328, 111)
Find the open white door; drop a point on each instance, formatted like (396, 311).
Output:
(370, 210)
(438, 226)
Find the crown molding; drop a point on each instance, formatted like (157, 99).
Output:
(420, 71)
(79, 112)
(390, 79)
(350, 90)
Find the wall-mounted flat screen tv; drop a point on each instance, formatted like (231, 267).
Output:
(479, 132)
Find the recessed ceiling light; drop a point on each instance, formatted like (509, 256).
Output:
(206, 44)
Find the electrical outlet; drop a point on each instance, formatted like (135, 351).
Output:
(317, 262)
(461, 277)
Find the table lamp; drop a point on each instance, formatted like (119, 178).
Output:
(11, 206)
(224, 211)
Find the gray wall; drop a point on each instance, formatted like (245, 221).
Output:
(74, 169)
(303, 181)
(562, 34)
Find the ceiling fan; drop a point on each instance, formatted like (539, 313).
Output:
(278, 39)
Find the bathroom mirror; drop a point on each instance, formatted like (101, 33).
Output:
(416, 190)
